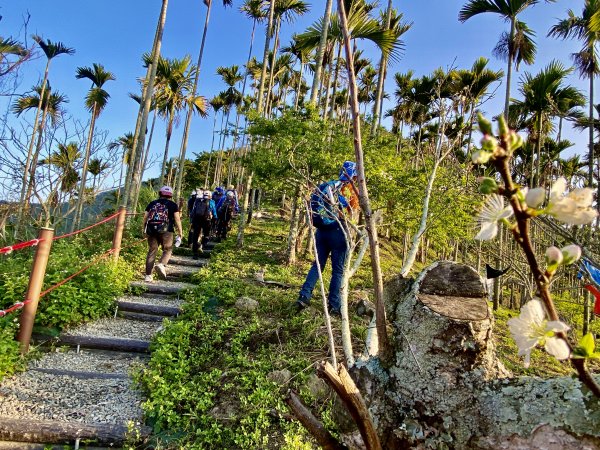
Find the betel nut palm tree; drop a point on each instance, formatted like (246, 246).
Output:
(95, 102)
(542, 94)
(174, 82)
(508, 10)
(51, 50)
(585, 28)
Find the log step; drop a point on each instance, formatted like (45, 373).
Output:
(140, 317)
(162, 287)
(83, 375)
(52, 432)
(177, 260)
(101, 343)
(147, 308)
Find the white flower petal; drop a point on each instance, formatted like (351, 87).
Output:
(488, 231)
(557, 326)
(583, 197)
(558, 348)
(533, 312)
(558, 188)
(535, 197)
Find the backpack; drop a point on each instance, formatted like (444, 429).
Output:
(201, 209)
(324, 211)
(226, 208)
(158, 219)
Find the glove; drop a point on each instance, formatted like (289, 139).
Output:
(177, 241)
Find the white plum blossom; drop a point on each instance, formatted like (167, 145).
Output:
(535, 197)
(575, 208)
(492, 212)
(571, 253)
(531, 329)
(554, 256)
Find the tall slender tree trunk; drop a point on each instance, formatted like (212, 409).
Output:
(381, 78)
(363, 191)
(219, 162)
(537, 176)
(212, 144)
(335, 79)
(140, 134)
(509, 66)
(86, 160)
(297, 99)
(314, 91)
(190, 112)
(242, 217)
(163, 170)
(24, 205)
(293, 230)
(147, 153)
(270, 85)
(263, 76)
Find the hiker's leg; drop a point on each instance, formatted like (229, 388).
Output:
(167, 247)
(323, 250)
(205, 232)
(195, 236)
(339, 251)
(151, 256)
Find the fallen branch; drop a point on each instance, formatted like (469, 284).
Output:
(312, 424)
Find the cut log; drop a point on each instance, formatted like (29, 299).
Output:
(163, 287)
(82, 375)
(121, 345)
(49, 432)
(187, 261)
(146, 308)
(140, 316)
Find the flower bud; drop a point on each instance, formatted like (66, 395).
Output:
(554, 258)
(488, 186)
(481, 157)
(502, 126)
(515, 141)
(535, 197)
(484, 125)
(489, 143)
(571, 253)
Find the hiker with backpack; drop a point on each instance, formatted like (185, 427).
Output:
(226, 209)
(158, 225)
(201, 215)
(327, 205)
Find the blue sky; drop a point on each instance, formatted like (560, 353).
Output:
(116, 33)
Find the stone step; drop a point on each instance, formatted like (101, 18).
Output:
(89, 361)
(115, 328)
(152, 300)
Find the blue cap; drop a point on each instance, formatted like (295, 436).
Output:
(348, 171)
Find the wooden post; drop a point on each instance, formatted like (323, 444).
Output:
(36, 280)
(118, 234)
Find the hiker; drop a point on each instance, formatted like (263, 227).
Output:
(226, 209)
(217, 195)
(201, 216)
(159, 222)
(190, 204)
(327, 205)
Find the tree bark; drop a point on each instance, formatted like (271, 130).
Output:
(261, 89)
(320, 53)
(381, 78)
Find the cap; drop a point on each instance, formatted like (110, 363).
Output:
(230, 194)
(166, 191)
(348, 171)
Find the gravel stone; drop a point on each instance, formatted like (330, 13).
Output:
(117, 328)
(40, 396)
(86, 361)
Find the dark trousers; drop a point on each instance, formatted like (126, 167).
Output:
(223, 226)
(165, 240)
(329, 242)
(200, 227)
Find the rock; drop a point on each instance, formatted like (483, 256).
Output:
(317, 387)
(280, 377)
(365, 307)
(246, 304)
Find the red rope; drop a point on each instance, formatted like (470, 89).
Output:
(86, 228)
(20, 305)
(19, 246)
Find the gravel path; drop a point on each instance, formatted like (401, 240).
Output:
(89, 361)
(40, 396)
(117, 328)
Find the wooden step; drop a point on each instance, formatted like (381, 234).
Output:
(162, 287)
(147, 308)
(187, 261)
(82, 375)
(140, 317)
(99, 343)
(52, 432)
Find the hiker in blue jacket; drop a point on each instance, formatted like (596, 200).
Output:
(327, 205)
(201, 215)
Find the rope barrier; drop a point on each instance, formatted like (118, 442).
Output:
(19, 246)
(109, 218)
(19, 305)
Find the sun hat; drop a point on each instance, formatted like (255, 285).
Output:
(166, 191)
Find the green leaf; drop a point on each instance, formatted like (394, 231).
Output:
(586, 347)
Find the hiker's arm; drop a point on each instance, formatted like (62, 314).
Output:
(144, 220)
(178, 223)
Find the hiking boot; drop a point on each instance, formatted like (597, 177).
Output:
(161, 271)
(302, 303)
(148, 279)
(334, 312)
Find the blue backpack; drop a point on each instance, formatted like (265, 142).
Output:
(324, 212)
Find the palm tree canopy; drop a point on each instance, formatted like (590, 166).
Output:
(254, 9)
(96, 74)
(9, 46)
(126, 143)
(53, 49)
(52, 101)
(97, 166)
(522, 46)
(508, 9)
(288, 9)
